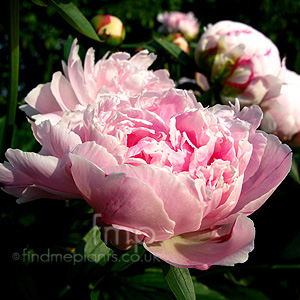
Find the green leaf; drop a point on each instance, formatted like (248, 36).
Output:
(70, 12)
(294, 173)
(173, 50)
(180, 282)
(293, 248)
(90, 256)
(152, 278)
(204, 292)
(95, 294)
(95, 249)
(6, 136)
(143, 45)
(67, 47)
(39, 2)
(149, 285)
(242, 293)
(128, 258)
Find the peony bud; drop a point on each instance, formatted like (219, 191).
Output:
(110, 29)
(281, 114)
(242, 60)
(180, 41)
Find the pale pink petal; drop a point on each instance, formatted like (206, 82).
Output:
(274, 167)
(57, 139)
(54, 117)
(34, 192)
(28, 168)
(173, 102)
(143, 59)
(89, 64)
(110, 143)
(96, 154)
(169, 188)
(76, 76)
(63, 92)
(121, 200)
(42, 99)
(225, 245)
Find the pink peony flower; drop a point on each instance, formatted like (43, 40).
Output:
(282, 113)
(159, 168)
(244, 62)
(79, 86)
(179, 22)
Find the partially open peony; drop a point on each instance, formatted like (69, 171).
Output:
(158, 168)
(244, 62)
(282, 113)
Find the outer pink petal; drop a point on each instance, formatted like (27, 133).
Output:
(275, 165)
(226, 245)
(34, 192)
(42, 99)
(121, 200)
(26, 169)
(63, 92)
(76, 75)
(56, 139)
(170, 189)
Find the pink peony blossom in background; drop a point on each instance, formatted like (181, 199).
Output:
(81, 85)
(244, 62)
(282, 113)
(154, 164)
(179, 22)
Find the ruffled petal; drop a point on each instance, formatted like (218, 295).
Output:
(56, 139)
(172, 191)
(63, 92)
(274, 166)
(30, 169)
(76, 75)
(225, 245)
(122, 200)
(42, 99)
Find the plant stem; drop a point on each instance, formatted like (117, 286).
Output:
(13, 77)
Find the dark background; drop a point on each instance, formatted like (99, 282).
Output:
(56, 225)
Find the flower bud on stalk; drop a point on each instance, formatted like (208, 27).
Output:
(180, 41)
(110, 29)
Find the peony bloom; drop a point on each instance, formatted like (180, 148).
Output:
(244, 62)
(282, 113)
(179, 22)
(110, 29)
(158, 168)
(79, 86)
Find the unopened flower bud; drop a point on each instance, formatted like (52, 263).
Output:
(180, 41)
(110, 29)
